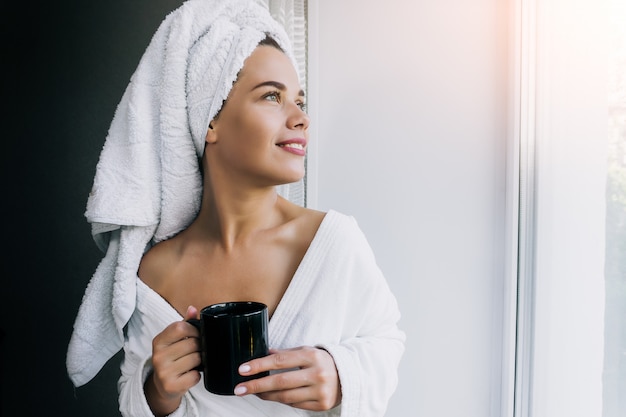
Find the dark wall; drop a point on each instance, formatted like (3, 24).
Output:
(65, 67)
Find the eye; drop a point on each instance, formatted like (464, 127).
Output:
(302, 106)
(272, 96)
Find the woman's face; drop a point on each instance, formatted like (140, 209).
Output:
(261, 133)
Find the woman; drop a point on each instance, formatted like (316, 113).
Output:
(336, 346)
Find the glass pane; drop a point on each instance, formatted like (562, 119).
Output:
(614, 384)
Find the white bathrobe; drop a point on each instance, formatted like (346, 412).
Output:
(338, 299)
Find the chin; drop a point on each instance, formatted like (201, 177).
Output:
(285, 175)
(289, 180)
(293, 175)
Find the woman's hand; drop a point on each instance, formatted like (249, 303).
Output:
(310, 380)
(175, 354)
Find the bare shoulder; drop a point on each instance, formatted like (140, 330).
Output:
(311, 218)
(303, 216)
(157, 263)
(302, 223)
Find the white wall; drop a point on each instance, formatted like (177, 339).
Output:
(407, 100)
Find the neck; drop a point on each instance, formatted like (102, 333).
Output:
(232, 214)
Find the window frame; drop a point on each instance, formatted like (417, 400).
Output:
(558, 44)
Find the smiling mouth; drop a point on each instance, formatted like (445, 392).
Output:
(292, 145)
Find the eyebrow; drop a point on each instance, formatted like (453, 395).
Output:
(276, 84)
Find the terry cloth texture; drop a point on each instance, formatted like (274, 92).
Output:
(338, 299)
(148, 184)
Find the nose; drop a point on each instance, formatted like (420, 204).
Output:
(298, 118)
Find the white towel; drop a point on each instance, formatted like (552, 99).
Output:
(148, 185)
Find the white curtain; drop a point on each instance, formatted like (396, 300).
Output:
(292, 15)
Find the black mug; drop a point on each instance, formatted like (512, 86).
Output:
(231, 334)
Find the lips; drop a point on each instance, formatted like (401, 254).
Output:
(293, 146)
(296, 146)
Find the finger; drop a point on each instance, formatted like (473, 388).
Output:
(280, 360)
(175, 332)
(311, 406)
(306, 398)
(168, 363)
(186, 354)
(192, 313)
(291, 396)
(189, 379)
(276, 382)
(170, 373)
(176, 351)
(175, 384)
(188, 364)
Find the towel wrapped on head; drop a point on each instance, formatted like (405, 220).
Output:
(148, 184)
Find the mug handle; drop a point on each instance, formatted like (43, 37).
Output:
(196, 323)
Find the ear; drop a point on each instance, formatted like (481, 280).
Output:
(211, 134)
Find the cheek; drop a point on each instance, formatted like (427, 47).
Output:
(255, 127)
(245, 138)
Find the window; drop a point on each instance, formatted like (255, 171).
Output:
(614, 378)
(571, 340)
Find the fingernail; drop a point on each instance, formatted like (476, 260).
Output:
(240, 390)
(244, 368)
